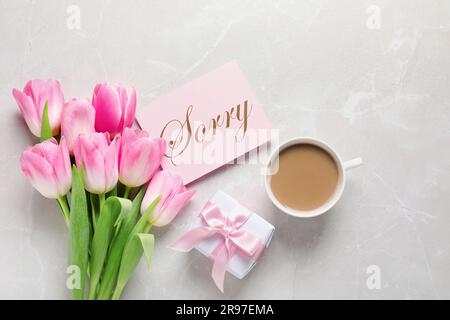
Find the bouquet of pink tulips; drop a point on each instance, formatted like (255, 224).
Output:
(103, 174)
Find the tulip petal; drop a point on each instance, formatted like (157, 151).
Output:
(62, 168)
(173, 208)
(100, 140)
(173, 184)
(122, 92)
(130, 135)
(52, 93)
(29, 112)
(130, 109)
(47, 167)
(78, 117)
(96, 89)
(111, 166)
(47, 150)
(134, 163)
(33, 89)
(40, 174)
(99, 160)
(153, 191)
(38, 92)
(95, 172)
(139, 161)
(91, 159)
(107, 109)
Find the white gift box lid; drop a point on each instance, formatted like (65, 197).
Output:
(239, 265)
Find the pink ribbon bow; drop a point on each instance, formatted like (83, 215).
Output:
(233, 239)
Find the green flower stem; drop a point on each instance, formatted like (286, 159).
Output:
(93, 210)
(64, 209)
(92, 289)
(148, 227)
(101, 199)
(126, 193)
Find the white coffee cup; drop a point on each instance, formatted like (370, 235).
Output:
(342, 168)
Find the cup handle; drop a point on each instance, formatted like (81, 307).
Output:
(354, 163)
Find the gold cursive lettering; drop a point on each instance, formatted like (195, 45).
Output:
(180, 134)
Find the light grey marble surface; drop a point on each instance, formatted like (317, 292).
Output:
(321, 68)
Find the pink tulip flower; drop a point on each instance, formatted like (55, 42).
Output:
(115, 107)
(47, 167)
(98, 156)
(173, 197)
(139, 157)
(78, 117)
(31, 102)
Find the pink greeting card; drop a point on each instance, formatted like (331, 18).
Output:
(207, 123)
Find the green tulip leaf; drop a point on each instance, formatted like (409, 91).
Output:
(148, 244)
(46, 129)
(79, 230)
(126, 224)
(104, 231)
(133, 251)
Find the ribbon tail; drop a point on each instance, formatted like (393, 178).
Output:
(190, 239)
(220, 266)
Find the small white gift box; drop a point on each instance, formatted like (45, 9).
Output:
(230, 234)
